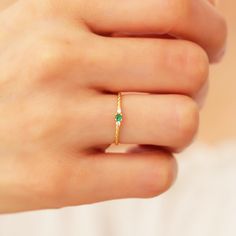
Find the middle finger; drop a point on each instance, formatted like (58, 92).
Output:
(147, 65)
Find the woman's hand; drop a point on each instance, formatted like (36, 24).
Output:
(60, 72)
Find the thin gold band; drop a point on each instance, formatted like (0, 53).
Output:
(117, 135)
(118, 119)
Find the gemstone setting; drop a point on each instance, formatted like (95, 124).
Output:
(118, 117)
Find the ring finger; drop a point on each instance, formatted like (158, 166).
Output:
(163, 120)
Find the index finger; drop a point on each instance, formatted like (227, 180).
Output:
(197, 21)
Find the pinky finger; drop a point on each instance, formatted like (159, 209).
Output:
(115, 176)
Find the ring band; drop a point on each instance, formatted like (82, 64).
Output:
(118, 119)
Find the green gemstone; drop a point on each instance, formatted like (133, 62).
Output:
(119, 117)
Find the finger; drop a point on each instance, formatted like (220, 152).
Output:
(148, 65)
(111, 176)
(192, 20)
(162, 120)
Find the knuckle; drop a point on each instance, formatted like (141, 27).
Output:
(51, 56)
(159, 177)
(187, 121)
(189, 61)
(193, 62)
(197, 68)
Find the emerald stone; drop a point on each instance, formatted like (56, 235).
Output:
(119, 117)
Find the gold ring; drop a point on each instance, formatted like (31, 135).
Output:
(118, 119)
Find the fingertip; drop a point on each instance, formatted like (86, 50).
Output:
(158, 176)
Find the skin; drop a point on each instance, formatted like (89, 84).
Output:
(61, 66)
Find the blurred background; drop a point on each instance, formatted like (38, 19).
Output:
(219, 114)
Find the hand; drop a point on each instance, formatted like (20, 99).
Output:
(59, 76)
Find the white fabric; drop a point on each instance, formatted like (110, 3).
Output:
(201, 203)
